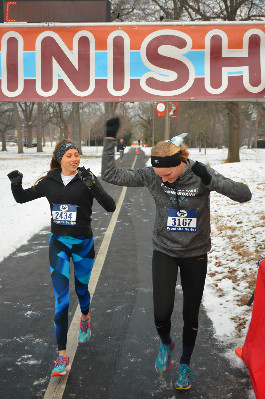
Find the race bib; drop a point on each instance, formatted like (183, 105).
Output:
(182, 220)
(64, 214)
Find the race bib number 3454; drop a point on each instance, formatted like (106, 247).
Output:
(64, 214)
(182, 220)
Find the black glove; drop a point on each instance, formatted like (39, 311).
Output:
(112, 126)
(200, 170)
(15, 177)
(87, 176)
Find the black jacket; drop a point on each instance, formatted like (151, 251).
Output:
(120, 146)
(75, 193)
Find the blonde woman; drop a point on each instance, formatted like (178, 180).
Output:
(181, 237)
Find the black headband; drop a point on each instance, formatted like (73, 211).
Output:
(166, 162)
(68, 145)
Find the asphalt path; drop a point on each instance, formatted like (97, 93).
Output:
(118, 361)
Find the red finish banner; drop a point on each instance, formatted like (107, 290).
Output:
(125, 62)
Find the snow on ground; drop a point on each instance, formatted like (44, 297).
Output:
(238, 233)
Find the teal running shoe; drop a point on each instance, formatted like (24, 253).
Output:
(62, 366)
(163, 359)
(84, 331)
(184, 377)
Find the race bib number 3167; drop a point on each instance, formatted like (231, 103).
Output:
(182, 220)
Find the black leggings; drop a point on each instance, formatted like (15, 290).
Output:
(165, 272)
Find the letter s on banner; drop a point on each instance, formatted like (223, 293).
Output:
(157, 51)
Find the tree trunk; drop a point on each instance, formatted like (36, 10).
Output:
(3, 137)
(199, 142)
(110, 108)
(61, 137)
(29, 128)
(233, 123)
(19, 129)
(220, 134)
(39, 127)
(43, 138)
(256, 130)
(76, 131)
(64, 133)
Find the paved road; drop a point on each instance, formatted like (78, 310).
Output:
(118, 361)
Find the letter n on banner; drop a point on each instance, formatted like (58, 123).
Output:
(55, 62)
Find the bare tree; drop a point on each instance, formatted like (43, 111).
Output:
(5, 121)
(59, 115)
(89, 111)
(76, 125)
(19, 128)
(39, 126)
(27, 109)
(227, 10)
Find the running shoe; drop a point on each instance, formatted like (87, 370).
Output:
(62, 366)
(163, 359)
(84, 331)
(184, 377)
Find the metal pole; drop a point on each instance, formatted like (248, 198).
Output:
(166, 134)
(153, 126)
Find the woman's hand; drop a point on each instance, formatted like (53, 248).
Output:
(87, 176)
(200, 170)
(15, 177)
(112, 127)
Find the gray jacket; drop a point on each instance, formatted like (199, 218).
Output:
(187, 193)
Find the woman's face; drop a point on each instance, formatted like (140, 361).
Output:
(170, 174)
(70, 162)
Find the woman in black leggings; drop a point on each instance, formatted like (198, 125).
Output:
(192, 274)
(181, 239)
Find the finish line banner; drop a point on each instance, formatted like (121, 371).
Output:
(132, 62)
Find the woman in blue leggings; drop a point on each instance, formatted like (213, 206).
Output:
(70, 190)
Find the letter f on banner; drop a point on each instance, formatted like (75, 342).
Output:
(219, 61)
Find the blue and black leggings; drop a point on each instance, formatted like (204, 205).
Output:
(81, 250)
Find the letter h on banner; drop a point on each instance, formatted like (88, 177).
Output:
(219, 61)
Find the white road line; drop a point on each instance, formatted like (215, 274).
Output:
(57, 385)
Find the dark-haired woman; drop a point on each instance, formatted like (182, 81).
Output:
(70, 191)
(181, 238)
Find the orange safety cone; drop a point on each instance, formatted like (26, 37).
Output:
(238, 352)
(137, 151)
